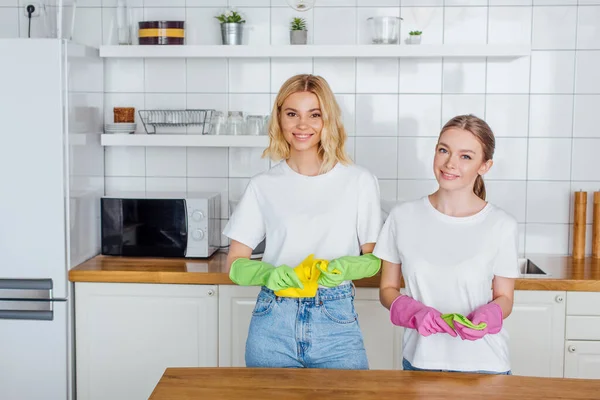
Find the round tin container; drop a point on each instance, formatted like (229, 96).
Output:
(161, 32)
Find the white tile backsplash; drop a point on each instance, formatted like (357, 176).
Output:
(508, 76)
(249, 75)
(543, 109)
(201, 27)
(125, 161)
(420, 76)
(586, 163)
(415, 157)
(588, 29)
(327, 33)
(498, 106)
(548, 202)
(419, 115)
(547, 238)
(378, 154)
(124, 75)
(550, 115)
(465, 25)
(376, 75)
(510, 159)
(376, 115)
(246, 162)
(464, 76)
(166, 162)
(165, 75)
(586, 116)
(549, 159)
(554, 27)
(508, 195)
(340, 73)
(283, 69)
(552, 71)
(206, 75)
(586, 74)
(168, 185)
(207, 162)
(509, 25)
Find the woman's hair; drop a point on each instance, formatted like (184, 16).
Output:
(482, 131)
(333, 135)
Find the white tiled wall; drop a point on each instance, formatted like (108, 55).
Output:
(544, 109)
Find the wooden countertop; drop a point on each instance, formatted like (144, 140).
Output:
(278, 384)
(564, 272)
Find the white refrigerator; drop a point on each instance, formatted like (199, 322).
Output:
(51, 176)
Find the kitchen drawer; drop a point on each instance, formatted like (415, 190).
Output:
(583, 328)
(583, 303)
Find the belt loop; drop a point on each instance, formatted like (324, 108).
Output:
(317, 298)
(353, 289)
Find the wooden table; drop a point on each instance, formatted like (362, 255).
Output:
(284, 384)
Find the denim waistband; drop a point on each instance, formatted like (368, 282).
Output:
(323, 294)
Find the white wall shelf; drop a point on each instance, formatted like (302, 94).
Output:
(172, 140)
(316, 51)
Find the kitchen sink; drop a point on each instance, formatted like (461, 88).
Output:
(527, 267)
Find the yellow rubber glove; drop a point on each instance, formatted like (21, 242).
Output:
(308, 272)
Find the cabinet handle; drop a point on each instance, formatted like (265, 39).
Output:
(211, 292)
(559, 299)
(571, 349)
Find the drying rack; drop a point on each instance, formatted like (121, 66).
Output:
(169, 118)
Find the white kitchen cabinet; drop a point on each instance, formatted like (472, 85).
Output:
(582, 359)
(537, 333)
(382, 339)
(235, 311)
(127, 334)
(582, 348)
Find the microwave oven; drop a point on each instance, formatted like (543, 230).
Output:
(161, 225)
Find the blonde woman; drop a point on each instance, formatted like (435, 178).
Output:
(458, 255)
(315, 201)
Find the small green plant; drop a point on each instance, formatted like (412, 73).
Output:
(230, 16)
(415, 33)
(298, 24)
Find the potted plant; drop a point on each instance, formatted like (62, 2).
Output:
(298, 32)
(231, 27)
(414, 37)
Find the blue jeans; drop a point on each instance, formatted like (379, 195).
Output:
(407, 366)
(308, 332)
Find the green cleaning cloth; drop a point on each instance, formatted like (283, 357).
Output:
(246, 272)
(450, 318)
(348, 268)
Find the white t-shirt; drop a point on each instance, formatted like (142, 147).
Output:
(448, 263)
(329, 215)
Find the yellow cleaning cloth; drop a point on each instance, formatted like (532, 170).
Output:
(308, 272)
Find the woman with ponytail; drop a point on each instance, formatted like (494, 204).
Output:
(458, 256)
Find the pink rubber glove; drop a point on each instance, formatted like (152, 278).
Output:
(491, 314)
(410, 313)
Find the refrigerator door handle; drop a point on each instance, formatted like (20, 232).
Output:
(27, 315)
(31, 310)
(17, 289)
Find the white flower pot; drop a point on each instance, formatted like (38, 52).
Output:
(298, 37)
(414, 39)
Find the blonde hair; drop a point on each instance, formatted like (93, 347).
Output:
(332, 147)
(482, 131)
